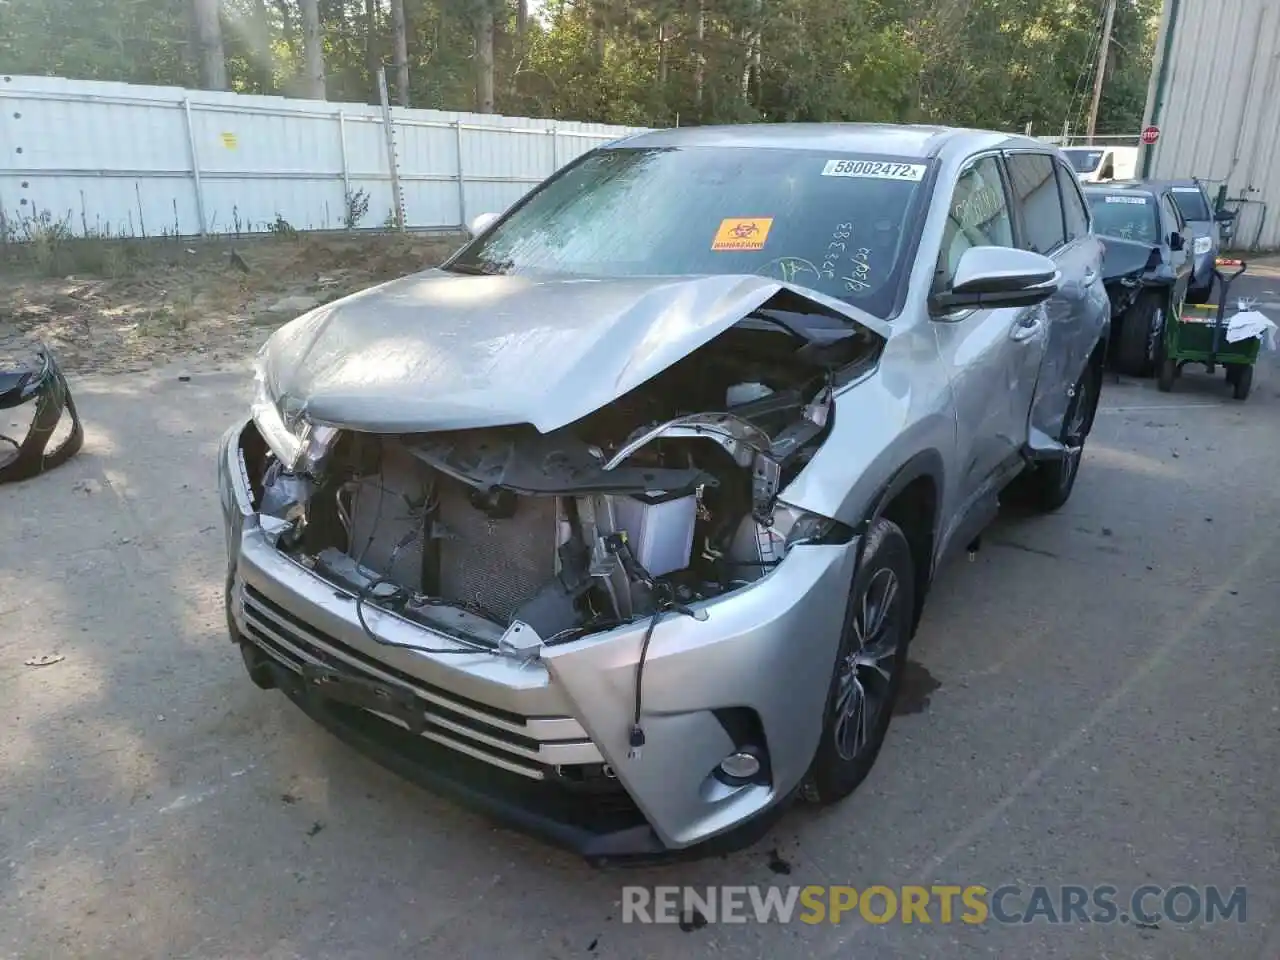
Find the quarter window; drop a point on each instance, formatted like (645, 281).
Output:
(977, 216)
(1035, 191)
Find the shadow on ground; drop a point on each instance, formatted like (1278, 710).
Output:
(154, 803)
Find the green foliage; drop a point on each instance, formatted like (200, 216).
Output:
(990, 63)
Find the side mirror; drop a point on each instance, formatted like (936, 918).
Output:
(480, 223)
(990, 277)
(1176, 242)
(1225, 216)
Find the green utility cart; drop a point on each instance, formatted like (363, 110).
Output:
(1199, 335)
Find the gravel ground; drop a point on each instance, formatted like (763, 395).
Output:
(1096, 700)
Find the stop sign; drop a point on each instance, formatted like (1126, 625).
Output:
(1150, 135)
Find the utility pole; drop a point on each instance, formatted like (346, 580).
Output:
(1102, 68)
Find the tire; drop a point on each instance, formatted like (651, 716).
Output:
(1168, 373)
(881, 597)
(1047, 486)
(1133, 345)
(1243, 383)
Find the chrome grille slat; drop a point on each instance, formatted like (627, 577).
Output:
(530, 752)
(515, 730)
(274, 647)
(502, 742)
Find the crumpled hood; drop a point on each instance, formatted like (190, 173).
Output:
(1125, 257)
(443, 351)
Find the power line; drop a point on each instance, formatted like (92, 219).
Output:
(1083, 72)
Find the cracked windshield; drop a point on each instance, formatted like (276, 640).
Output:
(836, 223)
(1125, 216)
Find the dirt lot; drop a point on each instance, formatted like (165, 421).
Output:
(125, 306)
(1097, 697)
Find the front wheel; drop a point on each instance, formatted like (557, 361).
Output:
(869, 665)
(1139, 327)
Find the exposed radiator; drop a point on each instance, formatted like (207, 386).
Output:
(498, 564)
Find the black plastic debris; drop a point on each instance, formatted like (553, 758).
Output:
(40, 383)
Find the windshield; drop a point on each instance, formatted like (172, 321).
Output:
(1125, 216)
(1192, 203)
(839, 224)
(1084, 161)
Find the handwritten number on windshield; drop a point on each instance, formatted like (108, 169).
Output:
(834, 249)
(860, 277)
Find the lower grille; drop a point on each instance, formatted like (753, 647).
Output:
(491, 734)
(495, 564)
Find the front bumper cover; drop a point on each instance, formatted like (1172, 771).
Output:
(41, 384)
(508, 737)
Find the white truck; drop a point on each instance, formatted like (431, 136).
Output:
(1097, 164)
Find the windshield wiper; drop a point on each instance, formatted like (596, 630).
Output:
(485, 269)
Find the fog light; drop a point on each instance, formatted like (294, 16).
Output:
(740, 765)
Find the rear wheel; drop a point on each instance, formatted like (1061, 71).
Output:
(1134, 355)
(869, 665)
(1168, 373)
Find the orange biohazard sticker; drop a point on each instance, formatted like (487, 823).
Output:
(742, 233)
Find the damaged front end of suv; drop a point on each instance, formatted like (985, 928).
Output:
(550, 567)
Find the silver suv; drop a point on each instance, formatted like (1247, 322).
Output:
(618, 524)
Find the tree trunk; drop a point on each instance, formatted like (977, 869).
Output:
(599, 16)
(522, 19)
(662, 54)
(371, 62)
(401, 51)
(313, 52)
(213, 65)
(287, 30)
(700, 63)
(484, 58)
(191, 49)
(259, 42)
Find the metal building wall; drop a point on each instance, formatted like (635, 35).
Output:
(119, 159)
(1215, 95)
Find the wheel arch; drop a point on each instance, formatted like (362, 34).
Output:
(912, 499)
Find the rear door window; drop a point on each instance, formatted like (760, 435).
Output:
(1035, 194)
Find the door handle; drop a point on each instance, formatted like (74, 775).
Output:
(1027, 328)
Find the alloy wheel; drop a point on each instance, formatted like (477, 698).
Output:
(867, 670)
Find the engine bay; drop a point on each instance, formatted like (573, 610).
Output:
(508, 539)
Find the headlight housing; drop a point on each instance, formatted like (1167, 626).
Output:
(297, 442)
(795, 526)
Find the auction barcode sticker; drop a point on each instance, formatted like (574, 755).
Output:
(874, 170)
(1136, 201)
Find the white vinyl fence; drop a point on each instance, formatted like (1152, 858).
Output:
(125, 160)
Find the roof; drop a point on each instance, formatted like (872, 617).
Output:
(874, 138)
